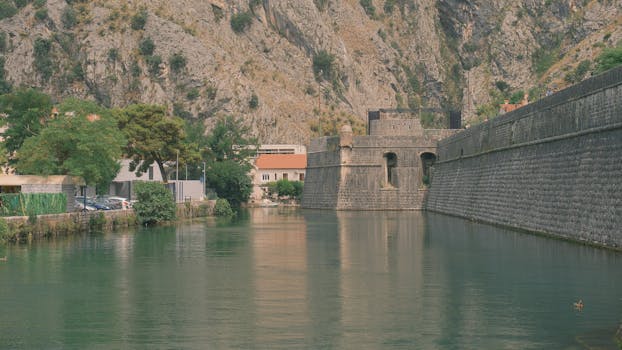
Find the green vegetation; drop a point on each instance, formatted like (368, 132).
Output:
(470, 47)
(155, 203)
(135, 69)
(241, 21)
(5, 86)
(253, 103)
(324, 65)
(253, 4)
(152, 136)
(3, 42)
(193, 94)
(177, 62)
(223, 208)
(21, 3)
(517, 97)
(542, 59)
(66, 145)
(227, 151)
(321, 4)
(27, 204)
(502, 85)
(369, 8)
(42, 61)
(230, 180)
(69, 18)
(7, 10)
(218, 13)
(146, 47)
(4, 230)
(382, 34)
(139, 20)
(41, 14)
(286, 188)
(389, 6)
(113, 54)
(330, 125)
(578, 73)
(153, 64)
(24, 109)
(97, 221)
(608, 59)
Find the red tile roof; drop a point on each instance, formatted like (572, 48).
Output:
(281, 161)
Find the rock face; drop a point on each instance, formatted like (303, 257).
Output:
(452, 54)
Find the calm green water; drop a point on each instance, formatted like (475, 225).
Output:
(292, 279)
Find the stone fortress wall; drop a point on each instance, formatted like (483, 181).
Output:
(379, 171)
(553, 166)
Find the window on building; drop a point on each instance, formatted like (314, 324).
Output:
(150, 173)
(265, 177)
(284, 176)
(301, 177)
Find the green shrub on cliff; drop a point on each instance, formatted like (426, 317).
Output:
(608, 59)
(155, 203)
(7, 10)
(240, 22)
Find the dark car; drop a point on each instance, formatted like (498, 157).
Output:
(95, 204)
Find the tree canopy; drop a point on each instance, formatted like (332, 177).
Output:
(152, 136)
(83, 142)
(231, 181)
(228, 150)
(27, 111)
(230, 140)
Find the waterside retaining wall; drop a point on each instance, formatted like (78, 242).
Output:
(23, 228)
(552, 167)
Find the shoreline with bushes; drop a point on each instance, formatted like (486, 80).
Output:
(16, 229)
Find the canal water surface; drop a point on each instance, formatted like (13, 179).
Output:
(296, 279)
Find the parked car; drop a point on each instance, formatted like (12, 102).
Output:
(117, 202)
(79, 206)
(98, 205)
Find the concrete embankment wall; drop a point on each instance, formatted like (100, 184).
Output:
(553, 167)
(23, 228)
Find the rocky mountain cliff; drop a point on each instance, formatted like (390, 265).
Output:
(281, 64)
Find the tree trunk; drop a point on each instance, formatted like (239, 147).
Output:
(164, 175)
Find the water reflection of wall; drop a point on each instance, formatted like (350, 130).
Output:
(280, 266)
(382, 274)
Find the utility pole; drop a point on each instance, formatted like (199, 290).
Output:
(319, 104)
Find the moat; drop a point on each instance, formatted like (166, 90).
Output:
(292, 279)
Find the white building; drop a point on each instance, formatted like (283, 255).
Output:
(274, 167)
(183, 190)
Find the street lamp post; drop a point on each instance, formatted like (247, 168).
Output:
(319, 104)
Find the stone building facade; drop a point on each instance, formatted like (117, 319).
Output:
(384, 170)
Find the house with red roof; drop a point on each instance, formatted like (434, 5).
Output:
(272, 167)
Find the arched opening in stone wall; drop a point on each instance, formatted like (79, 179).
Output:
(427, 161)
(390, 163)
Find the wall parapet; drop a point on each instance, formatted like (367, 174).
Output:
(582, 107)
